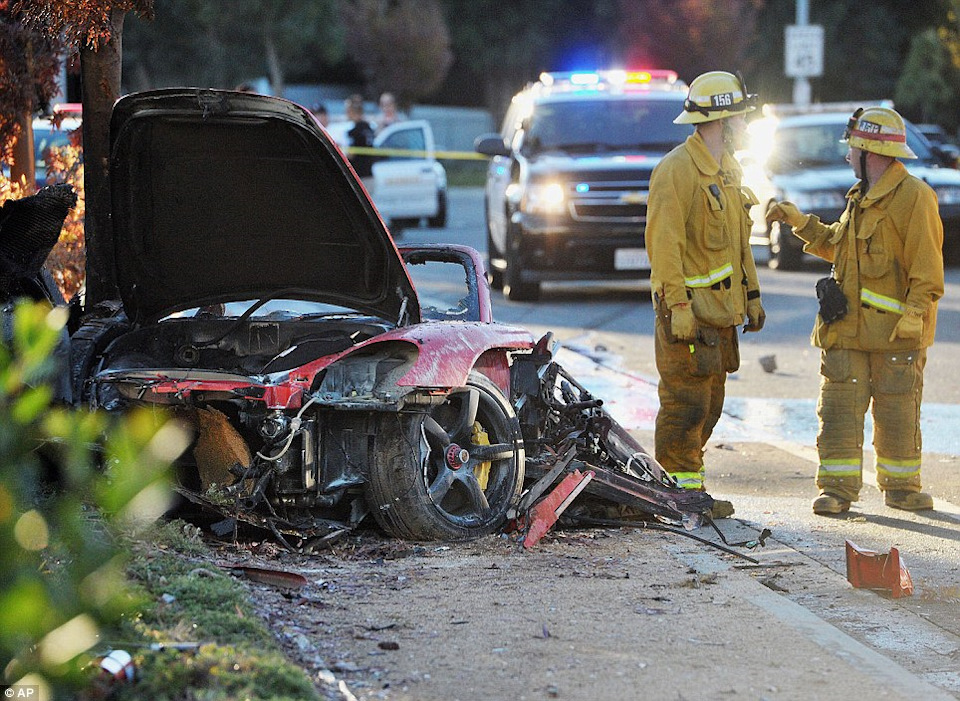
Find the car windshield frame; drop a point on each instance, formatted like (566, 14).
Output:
(604, 125)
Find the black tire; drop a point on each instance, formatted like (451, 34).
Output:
(440, 219)
(514, 288)
(494, 276)
(86, 345)
(417, 487)
(786, 250)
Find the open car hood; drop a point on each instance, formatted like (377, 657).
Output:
(220, 196)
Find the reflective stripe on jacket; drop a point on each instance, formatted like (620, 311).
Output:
(888, 253)
(698, 234)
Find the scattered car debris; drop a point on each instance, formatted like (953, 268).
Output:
(29, 229)
(868, 569)
(117, 665)
(546, 511)
(276, 578)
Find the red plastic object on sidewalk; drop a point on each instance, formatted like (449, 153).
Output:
(867, 569)
(545, 512)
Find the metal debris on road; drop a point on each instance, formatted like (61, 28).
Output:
(868, 569)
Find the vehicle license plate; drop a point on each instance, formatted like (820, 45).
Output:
(631, 259)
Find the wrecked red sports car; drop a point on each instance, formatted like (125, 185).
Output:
(328, 374)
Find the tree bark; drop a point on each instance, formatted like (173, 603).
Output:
(23, 168)
(100, 77)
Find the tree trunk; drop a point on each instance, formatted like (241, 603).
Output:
(23, 168)
(100, 77)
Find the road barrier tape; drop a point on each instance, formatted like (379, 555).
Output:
(408, 153)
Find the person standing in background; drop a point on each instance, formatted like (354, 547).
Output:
(360, 135)
(323, 116)
(388, 111)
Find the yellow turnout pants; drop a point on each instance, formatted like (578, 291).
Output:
(850, 379)
(691, 390)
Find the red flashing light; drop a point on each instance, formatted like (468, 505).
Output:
(651, 75)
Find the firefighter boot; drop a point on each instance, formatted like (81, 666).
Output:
(721, 509)
(908, 501)
(828, 504)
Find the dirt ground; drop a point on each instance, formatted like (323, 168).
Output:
(626, 613)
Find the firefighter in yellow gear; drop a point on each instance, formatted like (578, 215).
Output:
(703, 275)
(887, 255)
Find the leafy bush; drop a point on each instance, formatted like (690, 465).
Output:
(62, 501)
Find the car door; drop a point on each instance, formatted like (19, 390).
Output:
(405, 183)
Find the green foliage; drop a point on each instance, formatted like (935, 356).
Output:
(927, 86)
(62, 583)
(219, 673)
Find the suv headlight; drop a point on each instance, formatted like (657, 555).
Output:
(544, 198)
(948, 195)
(816, 199)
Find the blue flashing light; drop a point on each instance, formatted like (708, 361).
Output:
(582, 188)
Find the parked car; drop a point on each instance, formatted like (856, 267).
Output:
(273, 313)
(800, 158)
(941, 143)
(568, 181)
(409, 183)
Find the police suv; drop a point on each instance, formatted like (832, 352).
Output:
(567, 185)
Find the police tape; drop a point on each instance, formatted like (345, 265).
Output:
(409, 153)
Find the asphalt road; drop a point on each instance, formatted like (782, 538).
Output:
(762, 455)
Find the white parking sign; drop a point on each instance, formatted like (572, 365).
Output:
(803, 53)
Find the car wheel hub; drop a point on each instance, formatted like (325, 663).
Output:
(457, 456)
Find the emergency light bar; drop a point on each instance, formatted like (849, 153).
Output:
(615, 79)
